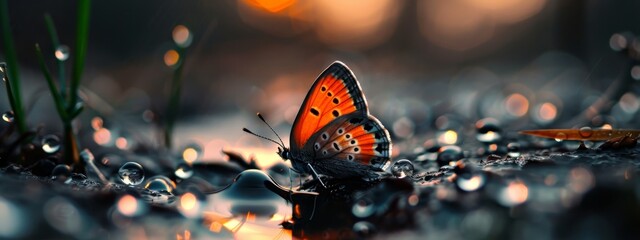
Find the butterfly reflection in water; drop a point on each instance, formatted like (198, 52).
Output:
(333, 134)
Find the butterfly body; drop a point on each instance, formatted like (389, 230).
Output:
(333, 133)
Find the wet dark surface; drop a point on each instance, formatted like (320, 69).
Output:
(467, 192)
(453, 95)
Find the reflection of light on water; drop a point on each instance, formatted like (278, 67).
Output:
(514, 194)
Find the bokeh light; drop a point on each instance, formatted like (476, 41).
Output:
(171, 58)
(516, 104)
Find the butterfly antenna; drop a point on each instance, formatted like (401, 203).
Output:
(260, 136)
(274, 131)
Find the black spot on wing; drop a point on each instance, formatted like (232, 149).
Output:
(314, 111)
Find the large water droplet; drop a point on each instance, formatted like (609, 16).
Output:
(470, 182)
(364, 229)
(62, 52)
(402, 168)
(61, 172)
(561, 137)
(488, 130)
(585, 132)
(513, 149)
(8, 116)
(448, 154)
(184, 171)
(191, 153)
(131, 173)
(160, 184)
(50, 143)
(363, 208)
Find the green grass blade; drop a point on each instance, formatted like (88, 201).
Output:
(13, 81)
(174, 98)
(82, 35)
(53, 34)
(57, 98)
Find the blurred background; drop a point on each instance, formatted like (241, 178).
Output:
(425, 66)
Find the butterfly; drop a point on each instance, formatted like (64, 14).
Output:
(334, 134)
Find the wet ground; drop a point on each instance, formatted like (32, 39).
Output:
(490, 188)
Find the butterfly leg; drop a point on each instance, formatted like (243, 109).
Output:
(315, 175)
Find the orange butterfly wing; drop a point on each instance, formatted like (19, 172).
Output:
(355, 138)
(335, 93)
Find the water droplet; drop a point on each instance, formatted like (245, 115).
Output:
(8, 116)
(513, 149)
(402, 168)
(585, 132)
(363, 208)
(486, 125)
(160, 184)
(561, 137)
(184, 171)
(191, 153)
(61, 172)
(448, 154)
(62, 52)
(488, 130)
(364, 229)
(588, 144)
(131, 173)
(50, 143)
(254, 192)
(470, 182)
